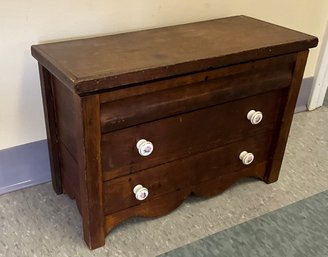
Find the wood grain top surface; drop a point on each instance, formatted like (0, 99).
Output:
(93, 64)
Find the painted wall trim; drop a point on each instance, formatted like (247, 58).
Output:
(303, 97)
(28, 165)
(320, 84)
(24, 166)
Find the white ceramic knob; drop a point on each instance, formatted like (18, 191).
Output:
(140, 192)
(145, 147)
(246, 158)
(254, 116)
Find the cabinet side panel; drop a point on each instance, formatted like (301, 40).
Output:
(68, 109)
(50, 116)
(287, 111)
(68, 127)
(70, 175)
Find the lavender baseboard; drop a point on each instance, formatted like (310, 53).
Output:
(24, 166)
(304, 95)
(28, 165)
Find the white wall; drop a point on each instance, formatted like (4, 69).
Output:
(24, 23)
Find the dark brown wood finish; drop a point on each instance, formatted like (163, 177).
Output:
(184, 173)
(287, 117)
(182, 135)
(78, 133)
(283, 63)
(50, 116)
(258, 77)
(70, 175)
(219, 184)
(91, 172)
(69, 134)
(69, 127)
(89, 65)
(166, 203)
(188, 90)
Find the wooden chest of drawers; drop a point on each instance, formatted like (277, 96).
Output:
(136, 122)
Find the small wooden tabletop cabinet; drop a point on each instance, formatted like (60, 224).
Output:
(138, 121)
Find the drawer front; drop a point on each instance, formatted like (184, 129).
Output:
(184, 173)
(182, 135)
(152, 101)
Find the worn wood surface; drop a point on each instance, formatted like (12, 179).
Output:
(90, 168)
(68, 108)
(90, 65)
(262, 66)
(51, 119)
(184, 173)
(287, 112)
(70, 175)
(217, 87)
(187, 89)
(69, 134)
(185, 134)
(166, 203)
(78, 133)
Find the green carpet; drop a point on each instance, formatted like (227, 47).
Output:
(325, 102)
(300, 229)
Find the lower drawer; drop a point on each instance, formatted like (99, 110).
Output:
(184, 173)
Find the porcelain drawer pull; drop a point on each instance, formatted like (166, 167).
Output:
(254, 116)
(140, 192)
(246, 158)
(145, 147)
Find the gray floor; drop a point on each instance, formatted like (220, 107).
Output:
(36, 222)
(300, 229)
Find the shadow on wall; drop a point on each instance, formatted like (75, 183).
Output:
(26, 165)
(30, 109)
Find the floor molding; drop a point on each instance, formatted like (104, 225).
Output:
(24, 166)
(304, 95)
(325, 102)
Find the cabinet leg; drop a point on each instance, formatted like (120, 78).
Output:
(91, 172)
(93, 237)
(271, 179)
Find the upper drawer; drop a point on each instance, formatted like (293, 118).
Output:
(186, 134)
(151, 101)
